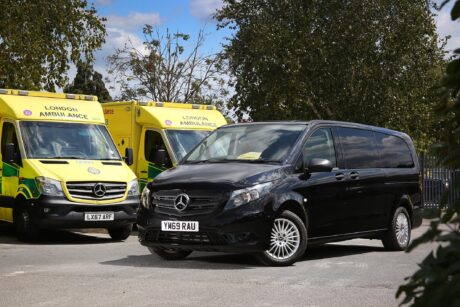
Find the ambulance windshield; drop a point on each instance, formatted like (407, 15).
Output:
(56, 140)
(182, 141)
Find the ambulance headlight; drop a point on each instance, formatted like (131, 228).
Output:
(48, 186)
(133, 188)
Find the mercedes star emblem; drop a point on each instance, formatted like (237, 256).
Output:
(181, 202)
(99, 189)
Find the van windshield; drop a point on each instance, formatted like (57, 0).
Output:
(182, 141)
(248, 143)
(55, 140)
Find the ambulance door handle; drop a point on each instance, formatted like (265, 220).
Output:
(144, 172)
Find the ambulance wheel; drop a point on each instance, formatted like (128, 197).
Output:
(120, 233)
(26, 228)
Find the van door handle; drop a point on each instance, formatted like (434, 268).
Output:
(354, 175)
(144, 172)
(340, 176)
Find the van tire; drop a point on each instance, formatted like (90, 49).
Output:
(26, 227)
(295, 223)
(120, 233)
(397, 238)
(170, 254)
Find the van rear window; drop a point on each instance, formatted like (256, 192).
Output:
(394, 152)
(359, 148)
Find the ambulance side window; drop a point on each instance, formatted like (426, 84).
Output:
(153, 142)
(8, 137)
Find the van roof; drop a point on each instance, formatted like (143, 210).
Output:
(313, 123)
(33, 105)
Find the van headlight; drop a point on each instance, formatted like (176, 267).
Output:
(145, 198)
(48, 186)
(133, 188)
(244, 196)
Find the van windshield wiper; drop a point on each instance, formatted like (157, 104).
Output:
(233, 160)
(206, 161)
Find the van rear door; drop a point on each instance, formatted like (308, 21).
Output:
(365, 197)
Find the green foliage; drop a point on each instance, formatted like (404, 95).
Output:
(168, 68)
(90, 82)
(361, 60)
(38, 40)
(437, 281)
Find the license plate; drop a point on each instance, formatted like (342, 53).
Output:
(179, 226)
(99, 216)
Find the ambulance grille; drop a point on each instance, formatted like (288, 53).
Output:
(93, 190)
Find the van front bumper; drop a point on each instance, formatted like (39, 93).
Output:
(245, 229)
(58, 212)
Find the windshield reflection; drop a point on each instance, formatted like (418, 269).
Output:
(256, 143)
(67, 141)
(182, 141)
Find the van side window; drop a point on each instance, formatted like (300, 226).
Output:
(319, 145)
(8, 137)
(152, 143)
(394, 151)
(359, 148)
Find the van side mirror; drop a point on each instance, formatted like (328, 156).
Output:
(317, 165)
(129, 156)
(9, 156)
(160, 157)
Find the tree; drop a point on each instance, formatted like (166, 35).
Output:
(88, 81)
(38, 40)
(163, 71)
(360, 60)
(437, 281)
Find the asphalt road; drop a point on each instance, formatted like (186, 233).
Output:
(88, 269)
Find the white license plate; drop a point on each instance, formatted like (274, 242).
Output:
(179, 226)
(99, 216)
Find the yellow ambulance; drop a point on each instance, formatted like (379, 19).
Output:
(160, 133)
(60, 167)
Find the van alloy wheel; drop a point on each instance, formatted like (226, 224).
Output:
(397, 237)
(288, 240)
(402, 229)
(285, 239)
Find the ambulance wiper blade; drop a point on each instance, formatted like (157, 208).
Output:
(66, 157)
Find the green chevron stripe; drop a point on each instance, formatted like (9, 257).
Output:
(31, 184)
(9, 170)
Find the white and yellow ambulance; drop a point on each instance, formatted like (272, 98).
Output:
(60, 167)
(160, 133)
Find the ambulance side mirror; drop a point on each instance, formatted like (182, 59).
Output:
(9, 156)
(129, 156)
(160, 157)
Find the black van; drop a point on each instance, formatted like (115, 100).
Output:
(272, 187)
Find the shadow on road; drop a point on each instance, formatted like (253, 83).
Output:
(335, 250)
(198, 261)
(51, 237)
(210, 261)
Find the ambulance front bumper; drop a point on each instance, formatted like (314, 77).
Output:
(58, 212)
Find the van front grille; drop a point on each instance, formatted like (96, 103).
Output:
(96, 190)
(199, 203)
